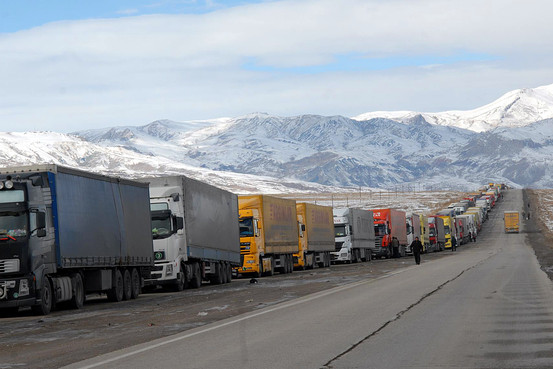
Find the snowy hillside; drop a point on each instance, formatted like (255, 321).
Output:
(514, 109)
(505, 141)
(28, 148)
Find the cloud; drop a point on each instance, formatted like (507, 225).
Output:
(283, 57)
(128, 11)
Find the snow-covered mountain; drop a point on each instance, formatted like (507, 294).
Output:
(26, 148)
(514, 109)
(508, 141)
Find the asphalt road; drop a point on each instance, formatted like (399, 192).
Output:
(486, 306)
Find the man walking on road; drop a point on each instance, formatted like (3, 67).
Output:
(416, 247)
(453, 243)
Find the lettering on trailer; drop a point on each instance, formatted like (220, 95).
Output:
(376, 214)
(280, 213)
(319, 216)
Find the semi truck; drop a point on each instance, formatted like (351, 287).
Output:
(437, 232)
(316, 236)
(354, 235)
(65, 233)
(195, 231)
(413, 228)
(389, 223)
(268, 235)
(511, 220)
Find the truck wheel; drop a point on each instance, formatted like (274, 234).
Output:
(217, 278)
(290, 263)
(115, 294)
(46, 299)
(127, 285)
(135, 281)
(181, 281)
(78, 293)
(196, 281)
(229, 273)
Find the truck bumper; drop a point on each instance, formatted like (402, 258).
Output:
(380, 251)
(17, 291)
(340, 256)
(162, 273)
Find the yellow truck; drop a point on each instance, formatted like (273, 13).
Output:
(268, 235)
(511, 220)
(316, 236)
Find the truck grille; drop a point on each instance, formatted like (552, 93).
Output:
(338, 246)
(9, 266)
(378, 241)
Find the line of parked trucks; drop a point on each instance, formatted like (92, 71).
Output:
(65, 233)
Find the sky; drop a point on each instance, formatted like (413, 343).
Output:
(73, 65)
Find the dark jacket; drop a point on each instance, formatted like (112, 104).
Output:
(416, 246)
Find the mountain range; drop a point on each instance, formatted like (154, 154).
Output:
(509, 140)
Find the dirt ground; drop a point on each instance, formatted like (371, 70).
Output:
(537, 233)
(66, 336)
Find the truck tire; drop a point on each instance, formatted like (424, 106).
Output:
(136, 288)
(229, 273)
(180, 283)
(115, 294)
(127, 285)
(78, 292)
(46, 299)
(196, 281)
(217, 277)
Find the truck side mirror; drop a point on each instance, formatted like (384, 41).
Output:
(40, 224)
(180, 223)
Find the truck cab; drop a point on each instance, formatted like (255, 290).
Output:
(342, 237)
(168, 235)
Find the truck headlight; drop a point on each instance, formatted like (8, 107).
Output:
(8, 184)
(23, 287)
(169, 269)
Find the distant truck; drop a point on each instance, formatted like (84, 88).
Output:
(65, 233)
(389, 223)
(316, 236)
(437, 233)
(413, 228)
(511, 220)
(195, 230)
(354, 235)
(268, 235)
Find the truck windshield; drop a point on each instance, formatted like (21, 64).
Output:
(379, 229)
(13, 224)
(432, 232)
(161, 224)
(447, 230)
(12, 196)
(246, 227)
(339, 230)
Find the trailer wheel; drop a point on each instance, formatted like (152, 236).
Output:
(135, 281)
(196, 281)
(127, 285)
(78, 294)
(217, 278)
(115, 294)
(229, 273)
(46, 299)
